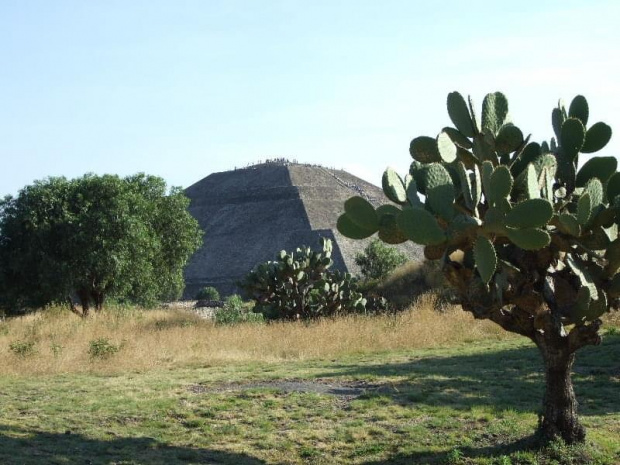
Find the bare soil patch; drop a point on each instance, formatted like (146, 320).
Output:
(347, 390)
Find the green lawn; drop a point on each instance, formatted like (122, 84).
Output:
(470, 404)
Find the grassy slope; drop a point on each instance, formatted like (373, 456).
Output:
(470, 403)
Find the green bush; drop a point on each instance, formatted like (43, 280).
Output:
(407, 282)
(23, 348)
(378, 260)
(235, 311)
(102, 348)
(208, 293)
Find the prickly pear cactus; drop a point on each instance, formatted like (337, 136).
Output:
(526, 217)
(535, 230)
(299, 285)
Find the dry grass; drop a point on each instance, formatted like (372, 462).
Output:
(409, 280)
(55, 341)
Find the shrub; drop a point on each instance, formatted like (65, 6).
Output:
(23, 348)
(410, 280)
(299, 285)
(208, 293)
(235, 311)
(102, 348)
(378, 260)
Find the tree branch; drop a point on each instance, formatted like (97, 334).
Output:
(584, 335)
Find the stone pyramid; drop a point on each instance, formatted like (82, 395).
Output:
(248, 215)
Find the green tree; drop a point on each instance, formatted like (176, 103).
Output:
(536, 232)
(94, 237)
(379, 260)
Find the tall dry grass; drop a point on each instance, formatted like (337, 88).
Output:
(56, 341)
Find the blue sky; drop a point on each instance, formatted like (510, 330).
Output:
(183, 88)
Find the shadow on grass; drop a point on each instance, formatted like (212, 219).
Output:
(27, 447)
(528, 443)
(532, 444)
(503, 379)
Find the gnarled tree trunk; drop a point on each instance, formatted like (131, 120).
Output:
(524, 311)
(84, 297)
(98, 299)
(559, 416)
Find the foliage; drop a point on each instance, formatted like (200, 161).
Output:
(234, 312)
(299, 285)
(23, 348)
(537, 236)
(208, 293)
(95, 237)
(379, 260)
(411, 280)
(102, 348)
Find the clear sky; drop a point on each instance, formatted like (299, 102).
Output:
(184, 88)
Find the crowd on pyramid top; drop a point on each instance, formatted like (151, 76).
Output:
(283, 162)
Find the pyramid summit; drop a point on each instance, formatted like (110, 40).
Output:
(248, 215)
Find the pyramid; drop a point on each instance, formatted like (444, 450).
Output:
(248, 215)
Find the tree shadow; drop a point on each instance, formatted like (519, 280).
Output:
(500, 379)
(20, 446)
(533, 443)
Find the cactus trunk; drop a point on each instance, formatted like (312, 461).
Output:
(559, 418)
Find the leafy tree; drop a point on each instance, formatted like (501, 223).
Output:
(379, 260)
(93, 237)
(537, 235)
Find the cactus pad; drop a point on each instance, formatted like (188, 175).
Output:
(572, 137)
(459, 114)
(485, 257)
(612, 255)
(389, 232)
(597, 137)
(594, 187)
(533, 213)
(440, 191)
(509, 139)
(529, 239)
(362, 213)
(569, 224)
(393, 186)
(348, 228)
(458, 138)
(557, 120)
(597, 167)
(584, 209)
(579, 109)
(500, 184)
(613, 187)
(424, 149)
(530, 152)
(494, 112)
(446, 148)
(421, 226)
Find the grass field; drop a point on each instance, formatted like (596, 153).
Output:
(420, 387)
